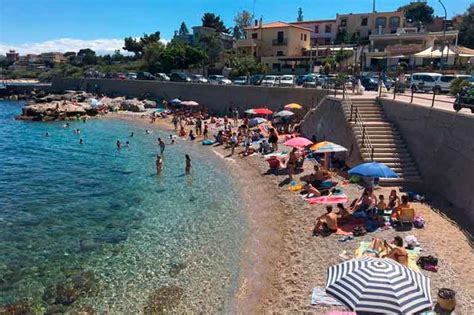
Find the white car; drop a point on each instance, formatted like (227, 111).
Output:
(270, 80)
(444, 82)
(162, 77)
(287, 80)
(242, 80)
(424, 81)
(197, 78)
(219, 80)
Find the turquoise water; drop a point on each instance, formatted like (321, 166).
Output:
(100, 223)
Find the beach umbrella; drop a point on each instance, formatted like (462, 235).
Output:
(175, 101)
(94, 102)
(379, 285)
(327, 147)
(298, 142)
(259, 111)
(293, 106)
(189, 103)
(256, 121)
(159, 110)
(284, 113)
(373, 169)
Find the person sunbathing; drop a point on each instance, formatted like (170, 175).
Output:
(326, 224)
(314, 180)
(393, 199)
(396, 251)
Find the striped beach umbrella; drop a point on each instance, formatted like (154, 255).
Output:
(379, 285)
(327, 147)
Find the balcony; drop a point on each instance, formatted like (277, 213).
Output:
(280, 42)
(248, 42)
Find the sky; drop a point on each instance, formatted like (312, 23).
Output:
(35, 26)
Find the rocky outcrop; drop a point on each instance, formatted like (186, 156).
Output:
(149, 104)
(133, 105)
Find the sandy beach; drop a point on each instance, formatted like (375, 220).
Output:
(282, 262)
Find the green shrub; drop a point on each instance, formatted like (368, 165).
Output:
(457, 84)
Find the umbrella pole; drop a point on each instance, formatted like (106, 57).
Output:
(326, 160)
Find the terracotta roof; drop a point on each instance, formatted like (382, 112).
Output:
(277, 24)
(313, 21)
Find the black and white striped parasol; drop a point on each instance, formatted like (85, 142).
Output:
(368, 284)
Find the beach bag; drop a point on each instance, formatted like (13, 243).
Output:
(371, 225)
(419, 222)
(429, 263)
(359, 231)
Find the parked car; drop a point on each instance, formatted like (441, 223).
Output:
(179, 77)
(287, 80)
(121, 76)
(299, 79)
(321, 80)
(424, 81)
(270, 80)
(219, 80)
(256, 79)
(197, 78)
(242, 80)
(145, 76)
(369, 83)
(131, 76)
(310, 81)
(162, 77)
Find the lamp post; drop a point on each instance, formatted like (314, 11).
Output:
(444, 35)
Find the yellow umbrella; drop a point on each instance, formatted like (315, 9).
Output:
(327, 147)
(293, 106)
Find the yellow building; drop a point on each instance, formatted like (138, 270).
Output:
(275, 43)
(366, 24)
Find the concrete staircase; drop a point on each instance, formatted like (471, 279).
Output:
(388, 145)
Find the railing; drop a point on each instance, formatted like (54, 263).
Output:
(278, 42)
(359, 124)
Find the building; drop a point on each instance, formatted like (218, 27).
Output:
(390, 49)
(323, 32)
(364, 25)
(12, 55)
(278, 45)
(53, 57)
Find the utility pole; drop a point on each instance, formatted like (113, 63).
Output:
(373, 6)
(444, 36)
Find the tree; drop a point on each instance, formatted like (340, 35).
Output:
(418, 12)
(245, 65)
(148, 39)
(87, 56)
(132, 45)
(300, 15)
(152, 57)
(466, 28)
(183, 29)
(242, 20)
(70, 56)
(211, 20)
(212, 45)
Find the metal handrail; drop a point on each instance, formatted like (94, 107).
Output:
(359, 124)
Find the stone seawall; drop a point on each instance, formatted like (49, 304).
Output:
(217, 98)
(442, 144)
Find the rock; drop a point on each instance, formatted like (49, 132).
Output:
(21, 307)
(133, 105)
(69, 291)
(163, 300)
(149, 104)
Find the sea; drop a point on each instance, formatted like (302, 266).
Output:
(89, 227)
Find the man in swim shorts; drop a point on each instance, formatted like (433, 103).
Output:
(326, 224)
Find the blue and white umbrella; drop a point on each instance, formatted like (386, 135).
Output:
(175, 101)
(256, 121)
(284, 113)
(373, 169)
(379, 285)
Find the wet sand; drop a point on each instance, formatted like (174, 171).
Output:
(282, 262)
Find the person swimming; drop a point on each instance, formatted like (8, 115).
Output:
(173, 139)
(162, 145)
(46, 134)
(127, 144)
(81, 141)
(147, 132)
(119, 144)
(188, 164)
(192, 137)
(66, 125)
(159, 163)
(131, 135)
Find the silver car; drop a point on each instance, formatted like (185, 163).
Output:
(287, 80)
(270, 80)
(197, 78)
(219, 80)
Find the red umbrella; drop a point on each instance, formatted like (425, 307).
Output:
(262, 111)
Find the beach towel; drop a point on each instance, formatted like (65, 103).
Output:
(331, 200)
(412, 254)
(319, 296)
(346, 228)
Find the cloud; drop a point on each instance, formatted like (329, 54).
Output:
(100, 46)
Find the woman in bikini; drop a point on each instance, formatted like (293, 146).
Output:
(396, 251)
(292, 162)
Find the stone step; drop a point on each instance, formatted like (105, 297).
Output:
(372, 132)
(382, 155)
(393, 182)
(373, 136)
(393, 150)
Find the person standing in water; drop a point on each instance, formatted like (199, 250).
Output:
(188, 164)
(159, 164)
(119, 145)
(162, 145)
(46, 134)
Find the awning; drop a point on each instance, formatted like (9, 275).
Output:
(464, 51)
(427, 53)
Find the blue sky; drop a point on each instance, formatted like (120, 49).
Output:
(46, 24)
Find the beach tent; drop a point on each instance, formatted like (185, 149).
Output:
(427, 53)
(373, 169)
(379, 285)
(298, 142)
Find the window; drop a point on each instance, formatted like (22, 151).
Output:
(305, 37)
(328, 28)
(364, 21)
(254, 35)
(280, 36)
(301, 36)
(447, 78)
(394, 21)
(343, 22)
(381, 22)
(280, 53)
(316, 28)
